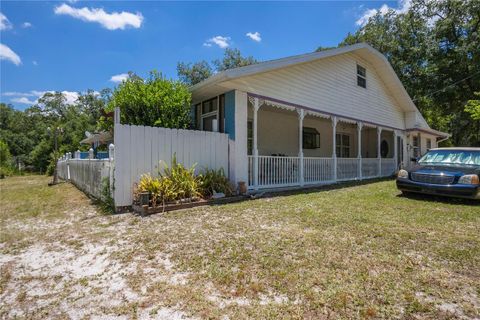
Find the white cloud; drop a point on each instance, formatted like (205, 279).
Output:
(70, 96)
(21, 94)
(4, 23)
(403, 6)
(119, 77)
(254, 36)
(23, 100)
(7, 54)
(26, 25)
(110, 21)
(23, 97)
(35, 63)
(222, 42)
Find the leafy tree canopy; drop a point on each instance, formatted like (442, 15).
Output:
(434, 48)
(193, 73)
(154, 101)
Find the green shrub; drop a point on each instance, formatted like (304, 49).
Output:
(214, 181)
(179, 183)
(151, 185)
(184, 184)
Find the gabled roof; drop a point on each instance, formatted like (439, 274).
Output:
(365, 51)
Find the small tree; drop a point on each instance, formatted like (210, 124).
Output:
(156, 101)
(473, 108)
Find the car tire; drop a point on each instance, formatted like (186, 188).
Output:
(406, 193)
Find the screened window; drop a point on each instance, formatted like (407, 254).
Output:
(343, 145)
(429, 144)
(311, 138)
(361, 76)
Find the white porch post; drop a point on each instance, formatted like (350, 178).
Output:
(256, 106)
(379, 157)
(395, 149)
(334, 148)
(301, 115)
(359, 151)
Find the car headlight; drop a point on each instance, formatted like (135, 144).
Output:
(402, 174)
(469, 179)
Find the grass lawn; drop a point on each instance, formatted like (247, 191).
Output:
(362, 251)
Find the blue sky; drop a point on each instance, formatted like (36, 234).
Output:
(77, 45)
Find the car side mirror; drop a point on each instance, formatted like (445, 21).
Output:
(414, 159)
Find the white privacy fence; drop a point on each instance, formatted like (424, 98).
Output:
(141, 149)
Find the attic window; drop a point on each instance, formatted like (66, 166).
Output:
(361, 76)
(311, 138)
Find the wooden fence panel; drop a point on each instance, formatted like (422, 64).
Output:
(140, 150)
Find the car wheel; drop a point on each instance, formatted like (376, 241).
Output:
(406, 193)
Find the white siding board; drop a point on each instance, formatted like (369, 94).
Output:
(329, 85)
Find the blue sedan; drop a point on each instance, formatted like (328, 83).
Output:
(451, 172)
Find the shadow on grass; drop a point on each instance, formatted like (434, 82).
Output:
(441, 199)
(272, 193)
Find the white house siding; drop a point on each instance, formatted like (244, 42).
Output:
(329, 85)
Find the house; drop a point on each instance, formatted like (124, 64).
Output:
(317, 118)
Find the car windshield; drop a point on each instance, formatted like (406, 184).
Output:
(468, 157)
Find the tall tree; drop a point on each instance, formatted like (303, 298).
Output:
(434, 48)
(232, 58)
(193, 73)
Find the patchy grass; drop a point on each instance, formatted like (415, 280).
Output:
(361, 251)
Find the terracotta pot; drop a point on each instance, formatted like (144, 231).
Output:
(242, 187)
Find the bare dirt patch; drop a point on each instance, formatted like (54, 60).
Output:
(358, 252)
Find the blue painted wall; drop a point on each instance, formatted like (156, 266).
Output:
(230, 114)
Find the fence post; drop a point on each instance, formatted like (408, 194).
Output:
(90, 153)
(111, 168)
(69, 156)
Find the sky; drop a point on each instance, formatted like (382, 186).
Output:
(73, 46)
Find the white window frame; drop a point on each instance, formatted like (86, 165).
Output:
(359, 75)
(215, 113)
(341, 143)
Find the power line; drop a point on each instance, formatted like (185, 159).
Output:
(450, 85)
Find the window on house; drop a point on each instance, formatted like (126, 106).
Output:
(384, 148)
(221, 113)
(209, 116)
(311, 138)
(416, 149)
(250, 137)
(361, 76)
(198, 116)
(342, 145)
(429, 144)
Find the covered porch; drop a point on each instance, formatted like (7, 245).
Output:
(295, 146)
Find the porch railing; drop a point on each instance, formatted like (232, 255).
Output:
(318, 170)
(388, 167)
(347, 168)
(369, 167)
(277, 171)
